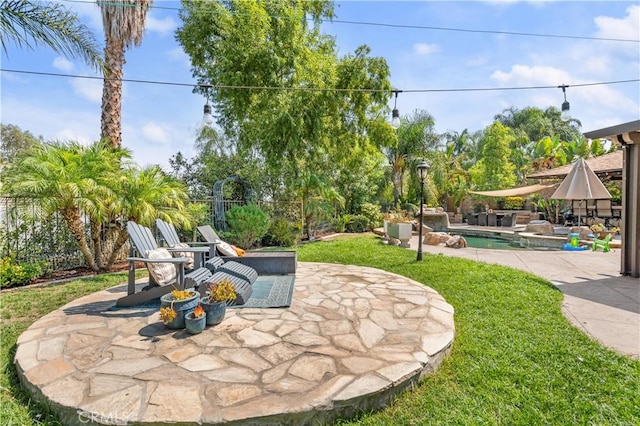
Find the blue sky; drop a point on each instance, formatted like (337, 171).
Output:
(160, 120)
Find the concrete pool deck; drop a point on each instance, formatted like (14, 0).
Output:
(352, 338)
(597, 299)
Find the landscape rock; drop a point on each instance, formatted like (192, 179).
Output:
(540, 227)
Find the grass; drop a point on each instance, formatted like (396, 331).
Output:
(516, 360)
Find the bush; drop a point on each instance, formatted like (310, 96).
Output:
(341, 223)
(281, 233)
(373, 213)
(358, 223)
(412, 209)
(247, 225)
(513, 203)
(14, 274)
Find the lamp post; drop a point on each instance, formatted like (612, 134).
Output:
(423, 168)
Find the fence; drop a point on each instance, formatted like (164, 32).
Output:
(27, 237)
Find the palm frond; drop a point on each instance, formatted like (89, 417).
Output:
(29, 24)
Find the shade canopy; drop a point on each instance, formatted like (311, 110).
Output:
(581, 184)
(512, 192)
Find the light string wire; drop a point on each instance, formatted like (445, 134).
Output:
(316, 89)
(402, 26)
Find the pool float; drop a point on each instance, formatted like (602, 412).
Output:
(569, 247)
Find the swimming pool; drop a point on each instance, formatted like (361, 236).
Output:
(500, 244)
(490, 243)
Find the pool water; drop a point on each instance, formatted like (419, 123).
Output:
(490, 243)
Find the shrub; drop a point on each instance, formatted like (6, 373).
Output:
(247, 225)
(14, 274)
(358, 223)
(373, 213)
(513, 203)
(412, 209)
(281, 233)
(341, 223)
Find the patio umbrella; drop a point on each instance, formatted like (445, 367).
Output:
(581, 184)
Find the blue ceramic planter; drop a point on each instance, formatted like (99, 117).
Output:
(182, 307)
(215, 310)
(195, 325)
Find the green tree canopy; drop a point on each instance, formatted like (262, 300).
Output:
(494, 170)
(293, 99)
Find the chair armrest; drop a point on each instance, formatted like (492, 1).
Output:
(147, 260)
(188, 249)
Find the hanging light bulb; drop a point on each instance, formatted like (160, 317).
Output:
(395, 114)
(565, 115)
(207, 119)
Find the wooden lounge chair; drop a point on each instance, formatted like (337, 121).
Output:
(264, 262)
(172, 240)
(162, 279)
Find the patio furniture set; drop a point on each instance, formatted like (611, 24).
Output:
(180, 265)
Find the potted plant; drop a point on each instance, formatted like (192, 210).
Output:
(196, 320)
(174, 306)
(215, 303)
(399, 227)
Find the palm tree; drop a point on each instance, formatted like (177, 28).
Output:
(96, 183)
(70, 179)
(144, 195)
(123, 23)
(30, 24)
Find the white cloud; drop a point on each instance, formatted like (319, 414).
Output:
(178, 55)
(524, 75)
(88, 89)
(155, 133)
(625, 28)
(75, 135)
(62, 64)
(425, 48)
(476, 61)
(162, 26)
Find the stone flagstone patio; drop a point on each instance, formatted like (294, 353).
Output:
(352, 339)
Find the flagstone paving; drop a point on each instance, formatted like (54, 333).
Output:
(352, 338)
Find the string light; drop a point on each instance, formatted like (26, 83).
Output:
(317, 89)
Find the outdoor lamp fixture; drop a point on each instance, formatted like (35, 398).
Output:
(423, 169)
(565, 105)
(207, 119)
(395, 115)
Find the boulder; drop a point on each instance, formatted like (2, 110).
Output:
(435, 238)
(540, 227)
(456, 241)
(584, 231)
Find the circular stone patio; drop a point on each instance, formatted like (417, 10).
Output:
(352, 338)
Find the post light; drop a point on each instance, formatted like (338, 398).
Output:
(566, 115)
(423, 169)
(395, 115)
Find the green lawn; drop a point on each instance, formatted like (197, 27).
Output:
(515, 361)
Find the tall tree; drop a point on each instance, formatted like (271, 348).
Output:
(29, 24)
(494, 170)
(123, 23)
(415, 136)
(315, 104)
(13, 140)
